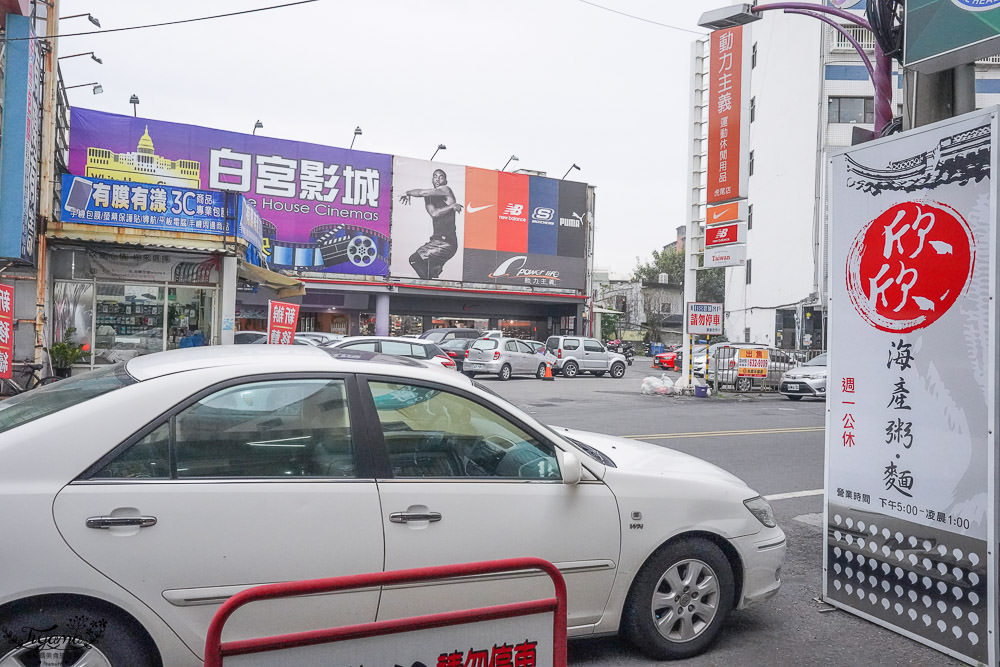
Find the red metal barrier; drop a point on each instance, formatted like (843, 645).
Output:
(216, 649)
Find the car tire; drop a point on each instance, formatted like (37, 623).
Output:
(469, 374)
(793, 398)
(540, 371)
(504, 373)
(617, 370)
(599, 374)
(94, 635)
(743, 384)
(679, 600)
(570, 369)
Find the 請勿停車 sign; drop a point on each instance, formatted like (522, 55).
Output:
(704, 318)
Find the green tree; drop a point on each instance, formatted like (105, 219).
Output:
(711, 284)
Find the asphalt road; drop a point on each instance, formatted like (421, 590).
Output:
(777, 447)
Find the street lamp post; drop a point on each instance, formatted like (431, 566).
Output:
(257, 126)
(357, 133)
(880, 72)
(512, 158)
(90, 17)
(134, 101)
(571, 168)
(98, 88)
(440, 147)
(88, 53)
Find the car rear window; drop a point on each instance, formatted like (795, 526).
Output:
(485, 344)
(52, 398)
(571, 343)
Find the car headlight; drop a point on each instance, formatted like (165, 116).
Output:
(761, 509)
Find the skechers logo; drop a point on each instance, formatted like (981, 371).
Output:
(543, 215)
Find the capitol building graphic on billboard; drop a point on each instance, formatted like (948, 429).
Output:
(143, 166)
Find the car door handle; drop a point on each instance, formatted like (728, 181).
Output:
(118, 521)
(404, 517)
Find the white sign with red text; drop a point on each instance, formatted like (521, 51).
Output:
(704, 318)
(911, 391)
(730, 255)
(281, 320)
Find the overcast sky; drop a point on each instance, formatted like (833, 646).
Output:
(555, 82)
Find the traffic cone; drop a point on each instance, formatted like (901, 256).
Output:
(548, 372)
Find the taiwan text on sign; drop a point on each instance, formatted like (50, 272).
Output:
(728, 121)
(752, 363)
(704, 318)
(6, 330)
(730, 255)
(910, 445)
(281, 320)
(734, 211)
(719, 235)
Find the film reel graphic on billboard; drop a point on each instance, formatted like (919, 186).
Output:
(348, 248)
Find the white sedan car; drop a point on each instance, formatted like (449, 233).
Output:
(142, 495)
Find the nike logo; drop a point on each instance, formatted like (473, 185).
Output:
(718, 214)
(475, 209)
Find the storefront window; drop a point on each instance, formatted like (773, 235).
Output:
(73, 308)
(189, 316)
(129, 321)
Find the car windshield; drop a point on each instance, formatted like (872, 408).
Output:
(817, 361)
(485, 344)
(37, 403)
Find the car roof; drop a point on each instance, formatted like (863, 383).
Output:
(354, 339)
(274, 358)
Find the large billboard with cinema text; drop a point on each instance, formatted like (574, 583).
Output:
(336, 210)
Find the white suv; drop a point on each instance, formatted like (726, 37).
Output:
(579, 354)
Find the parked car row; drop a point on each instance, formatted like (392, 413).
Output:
(194, 474)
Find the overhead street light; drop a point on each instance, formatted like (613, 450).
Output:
(88, 53)
(571, 168)
(513, 158)
(729, 17)
(98, 89)
(357, 133)
(134, 101)
(90, 17)
(257, 126)
(440, 147)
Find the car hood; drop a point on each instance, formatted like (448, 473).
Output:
(653, 460)
(803, 371)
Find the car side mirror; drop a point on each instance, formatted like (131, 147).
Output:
(570, 466)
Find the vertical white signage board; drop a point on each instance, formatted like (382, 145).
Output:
(911, 504)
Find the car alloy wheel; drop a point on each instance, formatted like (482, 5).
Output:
(504, 373)
(743, 384)
(618, 370)
(679, 599)
(540, 372)
(570, 369)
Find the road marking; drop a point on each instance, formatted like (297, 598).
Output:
(794, 494)
(705, 434)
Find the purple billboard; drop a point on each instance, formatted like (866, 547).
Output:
(323, 208)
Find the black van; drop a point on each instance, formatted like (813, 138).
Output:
(444, 333)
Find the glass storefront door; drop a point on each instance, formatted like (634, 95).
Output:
(189, 316)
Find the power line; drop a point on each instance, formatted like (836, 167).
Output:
(165, 23)
(645, 20)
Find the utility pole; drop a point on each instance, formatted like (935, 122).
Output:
(50, 89)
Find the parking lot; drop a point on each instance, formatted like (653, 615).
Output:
(777, 447)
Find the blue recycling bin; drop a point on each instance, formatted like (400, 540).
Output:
(656, 348)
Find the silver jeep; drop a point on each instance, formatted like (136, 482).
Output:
(579, 354)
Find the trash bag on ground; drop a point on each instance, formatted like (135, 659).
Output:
(651, 385)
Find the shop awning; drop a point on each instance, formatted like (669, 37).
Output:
(285, 286)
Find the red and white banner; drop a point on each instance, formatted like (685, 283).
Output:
(730, 255)
(281, 320)
(728, 121)
(735, 232)
(6, 330)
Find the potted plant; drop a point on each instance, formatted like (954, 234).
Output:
(66, 352)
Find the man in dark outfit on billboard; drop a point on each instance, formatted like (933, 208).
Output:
(429, 259)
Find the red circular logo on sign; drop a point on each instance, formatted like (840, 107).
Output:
(909, 265)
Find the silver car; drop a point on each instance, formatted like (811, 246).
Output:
(579, 354)
(809, 379)
(723, 363)
(503, 357)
